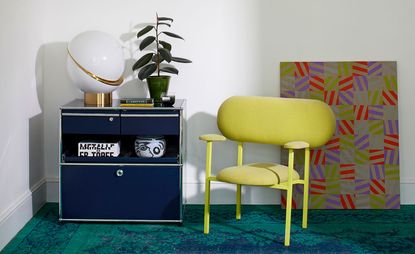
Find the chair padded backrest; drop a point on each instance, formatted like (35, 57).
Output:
(273, 120)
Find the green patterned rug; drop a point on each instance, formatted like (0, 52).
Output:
(261, 230)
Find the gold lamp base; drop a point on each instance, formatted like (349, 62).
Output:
(98, 99)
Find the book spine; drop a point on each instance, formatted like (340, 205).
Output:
(137, 101)
(136, 105)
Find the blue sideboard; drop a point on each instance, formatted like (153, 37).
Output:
(126, 187)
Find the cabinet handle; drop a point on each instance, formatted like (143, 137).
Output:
(120, 172)
(111, 119)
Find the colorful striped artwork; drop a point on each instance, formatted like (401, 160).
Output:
(358, 168)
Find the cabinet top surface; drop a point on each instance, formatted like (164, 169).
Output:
(79, 104)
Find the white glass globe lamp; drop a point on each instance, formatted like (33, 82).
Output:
(95, 64)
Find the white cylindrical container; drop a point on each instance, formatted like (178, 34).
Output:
(150, 146)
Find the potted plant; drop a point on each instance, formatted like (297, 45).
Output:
(155, 61)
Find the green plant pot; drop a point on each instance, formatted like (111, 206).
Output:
(157, 85)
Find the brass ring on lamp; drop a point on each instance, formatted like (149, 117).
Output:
(92, 75)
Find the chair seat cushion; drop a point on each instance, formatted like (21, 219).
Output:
(259, 174)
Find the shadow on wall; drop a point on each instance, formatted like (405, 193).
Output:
(223, 156)
(58, 90)
(55, 88)
(132, 87)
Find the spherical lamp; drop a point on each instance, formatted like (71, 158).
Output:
(95, 64)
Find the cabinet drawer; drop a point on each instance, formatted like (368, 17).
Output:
(141, 123)
(121, 192)
(91, 123)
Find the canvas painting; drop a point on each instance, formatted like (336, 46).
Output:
(359, 167)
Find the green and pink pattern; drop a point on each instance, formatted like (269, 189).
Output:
(359, 167)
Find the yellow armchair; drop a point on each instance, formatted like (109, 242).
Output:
(292, 123)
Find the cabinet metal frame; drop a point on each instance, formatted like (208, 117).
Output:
(90, 114)
(121, 113)
(149, 115)
(121, 164)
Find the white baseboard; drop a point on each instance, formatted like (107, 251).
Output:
(407, 190)
(193, 193)
(52, 189)
(222, 193)
(21, 211)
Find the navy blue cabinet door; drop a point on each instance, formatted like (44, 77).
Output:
(150, 123)
(121, 192)
(73, 123)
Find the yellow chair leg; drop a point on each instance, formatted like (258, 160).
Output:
(306, 183)
(289, 197)
(238, 186)
(207, 207)
(305, 205)
(207, 186)
(238, 201)
(288, 216)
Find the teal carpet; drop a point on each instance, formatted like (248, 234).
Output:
(261, 230)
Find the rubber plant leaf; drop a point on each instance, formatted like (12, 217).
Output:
(180, 60)
(159, 60)
(165, 45)
(165, 54)
(147, 41)
(169, 70)
(164, 19)
(144, 31)
(146, 71)
(173, 35)
(142, 61)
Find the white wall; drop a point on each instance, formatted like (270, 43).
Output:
(236, 47)
(21, 165)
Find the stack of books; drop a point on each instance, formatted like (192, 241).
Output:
(137, 102)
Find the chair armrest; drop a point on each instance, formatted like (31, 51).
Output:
(212, 137)
(296, 145)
